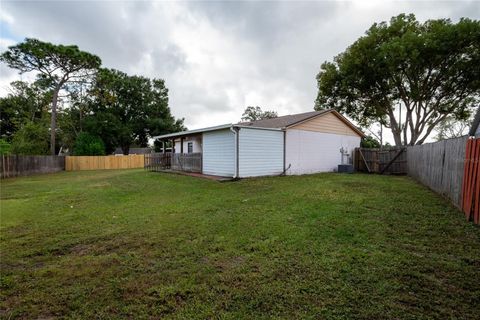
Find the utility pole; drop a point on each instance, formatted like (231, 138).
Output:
(400, 121)
(381, 136)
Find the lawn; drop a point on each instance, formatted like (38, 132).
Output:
(135, 244)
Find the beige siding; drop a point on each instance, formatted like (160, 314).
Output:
(328, 123)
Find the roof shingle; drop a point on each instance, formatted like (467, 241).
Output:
(283, 121)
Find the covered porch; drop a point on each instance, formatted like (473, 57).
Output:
(179, 152)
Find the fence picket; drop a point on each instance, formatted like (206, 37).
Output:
(16, 165)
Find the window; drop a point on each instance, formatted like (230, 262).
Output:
(190, 147)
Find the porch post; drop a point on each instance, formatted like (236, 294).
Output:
(163, 146)
(181, 145)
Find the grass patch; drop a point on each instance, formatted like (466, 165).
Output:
(135, 244)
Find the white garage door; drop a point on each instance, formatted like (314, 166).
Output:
(219, 153)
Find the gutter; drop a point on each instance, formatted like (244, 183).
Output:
(257, 128)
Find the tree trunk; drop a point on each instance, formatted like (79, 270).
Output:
(126, 150)
(53, 120)
(396, 131)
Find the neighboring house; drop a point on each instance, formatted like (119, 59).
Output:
(119, 151)
(295, 144)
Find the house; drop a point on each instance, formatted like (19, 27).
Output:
(119, 151)
(294, 144)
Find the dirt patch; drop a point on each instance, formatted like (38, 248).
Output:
(81, 249)
(224, 264)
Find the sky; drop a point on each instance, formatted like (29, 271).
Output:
(216, 58)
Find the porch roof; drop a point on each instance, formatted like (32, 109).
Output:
(190, 132)
(220, 127)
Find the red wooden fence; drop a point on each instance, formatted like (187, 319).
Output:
(471, 181)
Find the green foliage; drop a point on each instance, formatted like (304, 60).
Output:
(55, 65)
(129, 109)
(31, 139)
(88, 145)
(369, 142)
(256, 113)
(430, 70)
(122, 244)
(5, 147)
(451, 128)
(25, 103)
(122, 110)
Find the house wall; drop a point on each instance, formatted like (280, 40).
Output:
(310, 151)
(197, 144)
(219, 153)
(328, 123)
(260, 152)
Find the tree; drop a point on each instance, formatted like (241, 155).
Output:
(88, 145)
(31, 139)
(256, 113)
(5, 147)
(427, 72)
(129, 109)
(370, 142)
(71, 120)
(451, 128)
(25, 103)
(55, 65)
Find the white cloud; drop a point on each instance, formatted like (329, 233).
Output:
(217, 58)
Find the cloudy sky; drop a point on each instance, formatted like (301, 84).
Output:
(216, 57)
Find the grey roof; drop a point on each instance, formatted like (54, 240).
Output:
(283, 121)
(146, 150)
(279, 123)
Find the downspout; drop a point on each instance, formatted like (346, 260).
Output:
(285, 168)
(284, 151)
(236, 162)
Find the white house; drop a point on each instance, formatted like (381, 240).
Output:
(295, 144)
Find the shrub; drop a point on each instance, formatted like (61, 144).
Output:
(31, 139)
(369, 142)
(87, 144)
(4, 147)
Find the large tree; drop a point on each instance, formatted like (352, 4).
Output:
(431, 71)
(55, 65)
(256, 113)
(24, 103)
(128, 110)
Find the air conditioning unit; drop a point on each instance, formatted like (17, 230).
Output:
(346, 166)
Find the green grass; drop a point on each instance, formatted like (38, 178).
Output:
(135, 244)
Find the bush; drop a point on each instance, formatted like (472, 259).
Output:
(31, 139)
(87, 144)
(4, 147)
(369, 142)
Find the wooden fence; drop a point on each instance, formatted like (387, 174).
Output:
(188, 162)
(439, 166)
(16, 165)
(471, 181)
(390, 161)
(158, 161)
(74, 163)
